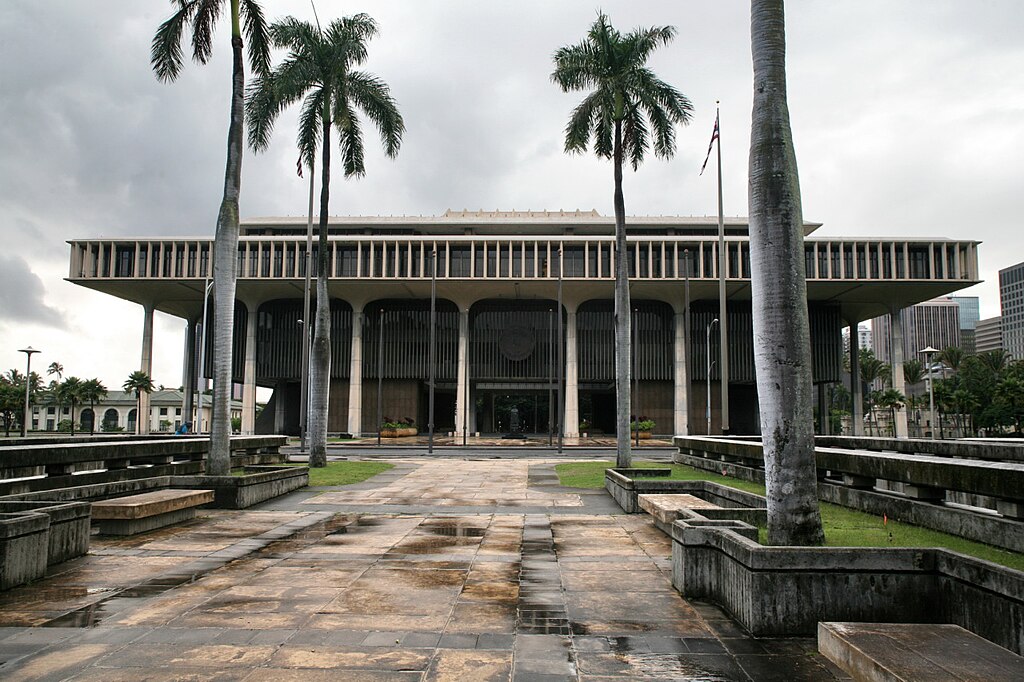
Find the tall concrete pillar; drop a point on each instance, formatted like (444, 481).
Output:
(143, 418)
(896, 356)
(249, 373)
(571, 428)
(188, 373)
(856, 394)
(355, 381)
(681, 379)
(462, 375)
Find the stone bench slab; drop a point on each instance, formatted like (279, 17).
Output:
(148, 511)
(911, 651)
(149, 504)
(666, 508)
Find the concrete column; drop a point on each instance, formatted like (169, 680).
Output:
(896, 356)
(462, 374)
(571, 428)
(355, 381)
(681, 379)
(188, 373)
(856, 396)
(144, 418)
(249, 373)
(279, 412)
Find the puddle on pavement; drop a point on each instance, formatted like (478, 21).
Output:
(670, 667)
(455, 530)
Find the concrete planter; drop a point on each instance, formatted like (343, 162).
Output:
(24, 541)
(644, 435)
(784, 591)
(399, 433)
(68, 535)
(260, 483)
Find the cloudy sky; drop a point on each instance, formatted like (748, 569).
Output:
(908, 119)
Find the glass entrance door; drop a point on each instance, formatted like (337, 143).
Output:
(517, 413)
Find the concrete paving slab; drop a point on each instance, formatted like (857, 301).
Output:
(449, 569)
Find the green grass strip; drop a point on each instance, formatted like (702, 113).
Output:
(843, 527)
(346, 472)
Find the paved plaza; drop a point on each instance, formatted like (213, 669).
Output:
(439, 569)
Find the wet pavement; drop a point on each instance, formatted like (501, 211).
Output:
(440, 569)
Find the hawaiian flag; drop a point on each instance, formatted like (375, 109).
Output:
(714, 136)
(298, 164)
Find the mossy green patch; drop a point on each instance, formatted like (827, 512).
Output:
(346, 473)
(843, 527)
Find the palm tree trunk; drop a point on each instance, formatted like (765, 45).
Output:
(320, 354)
(623, 322)
(225, 257)
(779, 289)
(72, 417)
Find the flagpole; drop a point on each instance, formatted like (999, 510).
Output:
(723, 262)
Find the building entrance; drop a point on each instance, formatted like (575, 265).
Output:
(524, 413)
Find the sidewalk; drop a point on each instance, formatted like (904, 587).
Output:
(439, 569)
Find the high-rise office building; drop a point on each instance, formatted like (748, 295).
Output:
(989, 335)
(1011, 300)
(969, 315)
(934, 323)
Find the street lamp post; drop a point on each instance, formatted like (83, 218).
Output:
(707, 411)
(28, 351)
(202, 358)
(931, 384)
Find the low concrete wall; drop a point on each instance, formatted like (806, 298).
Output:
(68, 533)
(260, 483)
(868, 491)
(23, 547)
(996, 451)
(780, 591)
(624, 488)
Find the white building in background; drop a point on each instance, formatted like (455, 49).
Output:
(989, 335)
(117, 412)
(934, 323)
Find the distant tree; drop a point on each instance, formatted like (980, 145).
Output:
(138, 382)
(893, 400)
(996, 360)
(12, 403)
(56, 368)
(93, 391)
(872, 372)
(319, 70)
(913, 374)
(628, 110)
(951, 357)
(70, 391)
(167, 60)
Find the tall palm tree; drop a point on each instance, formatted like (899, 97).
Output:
(319, 70)
(92, 392)
(627, 110)
(56, 368)
(951, 357)
(782, 350)
(913, 374)
(70, 393)
(167, 60)
(995, 360)
(893, 400)
(138, 382)
(872, 372)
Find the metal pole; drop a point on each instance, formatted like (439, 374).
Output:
(433, 316)
(561, 359)
(636, 382)
(723, 270)
(931, 393)
(465, 406)
(707, 412)
(28, 351)
(380, 374)
(202, 357)
(551, 376)
(306, 327)
(686, 335)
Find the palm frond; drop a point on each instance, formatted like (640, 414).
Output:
(604, 132)
(350, 139)
(373, 96)
(310, 119)
(634, 135)
(257, 36)
(576, 68)
(293, 34)
(204, 24)
(577, 131)
(165, 53)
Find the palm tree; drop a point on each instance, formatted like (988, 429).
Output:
(138, 382)
(71, 392)
(893, 400)
(92, 392)
(782, 353)
(56, 368)
(873, 371)
(167, 60)
(913, 374)
(319, 70)
(951, 357)
(995, 360)
(627, 110)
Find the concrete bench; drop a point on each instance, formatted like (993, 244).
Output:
(914, 651)
(141, 513)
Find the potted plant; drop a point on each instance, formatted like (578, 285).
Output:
(392, 428)
(642, 424)
(585, 427)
